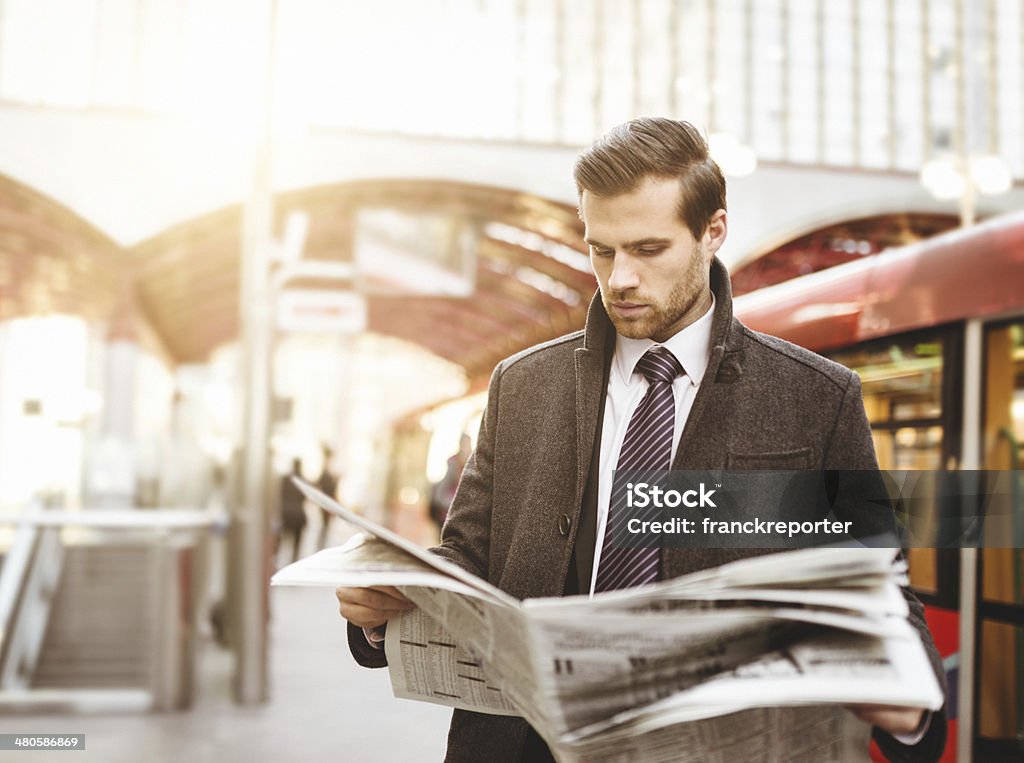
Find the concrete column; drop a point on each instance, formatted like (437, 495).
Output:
(110, 471)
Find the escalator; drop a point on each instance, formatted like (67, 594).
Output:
(100, 632)
(98, 611)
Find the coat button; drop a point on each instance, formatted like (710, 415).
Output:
(564, 523)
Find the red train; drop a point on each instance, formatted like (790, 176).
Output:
(936, 332)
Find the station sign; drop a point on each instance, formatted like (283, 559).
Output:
(324, 311)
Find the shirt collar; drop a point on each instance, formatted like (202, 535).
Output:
(690, 345)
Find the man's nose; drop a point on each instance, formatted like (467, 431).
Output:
(624, 275)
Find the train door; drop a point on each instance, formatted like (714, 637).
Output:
(912, 387)
(999, 633)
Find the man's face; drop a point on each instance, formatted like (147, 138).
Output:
(654, 275)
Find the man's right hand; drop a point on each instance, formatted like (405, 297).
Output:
(371, 607)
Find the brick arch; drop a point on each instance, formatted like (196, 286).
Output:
(52, 262)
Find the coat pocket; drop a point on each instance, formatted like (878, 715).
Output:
(783, 459)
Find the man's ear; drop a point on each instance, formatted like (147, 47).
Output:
(714, 234)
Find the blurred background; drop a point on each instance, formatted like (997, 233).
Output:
(245, 238)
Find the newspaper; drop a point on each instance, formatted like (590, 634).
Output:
(749, 661)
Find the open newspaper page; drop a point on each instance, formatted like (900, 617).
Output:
(488, 622)
(492, 636)
(433, 561)
(762, 735)
(830, 668)
(620, 667)
(426, 663)
(666, 672)
(368, 561)
(621, 675)
(750, 645)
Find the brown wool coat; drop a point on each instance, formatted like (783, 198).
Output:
(525, 511)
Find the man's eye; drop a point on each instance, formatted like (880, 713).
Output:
(601, 252)
(651, 250)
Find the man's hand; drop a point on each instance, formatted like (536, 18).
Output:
(890, 718)
(370, 607)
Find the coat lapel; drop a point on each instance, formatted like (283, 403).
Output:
(699, 447)
(592, 362)
(590, 371)
(723, 368)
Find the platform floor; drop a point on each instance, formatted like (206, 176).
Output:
(323, 707)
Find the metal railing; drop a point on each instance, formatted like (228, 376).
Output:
(27, 584)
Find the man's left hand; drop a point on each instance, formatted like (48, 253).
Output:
(890, 718)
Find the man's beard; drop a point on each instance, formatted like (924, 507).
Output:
(659, 319)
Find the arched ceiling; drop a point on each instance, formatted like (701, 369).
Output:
(532, 277)
(52, 261)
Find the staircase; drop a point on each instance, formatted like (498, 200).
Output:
(101, 628)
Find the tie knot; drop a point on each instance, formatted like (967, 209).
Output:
(659, 364)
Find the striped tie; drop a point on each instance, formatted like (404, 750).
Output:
(647, 446)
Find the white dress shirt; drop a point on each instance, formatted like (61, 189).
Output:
(627, 387)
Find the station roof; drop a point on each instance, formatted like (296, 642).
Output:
(532, 278)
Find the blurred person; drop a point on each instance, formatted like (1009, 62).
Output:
(662, 376)
(293, 509)
(443, 493)
(327, 483)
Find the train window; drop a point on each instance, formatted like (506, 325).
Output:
(911, 447)
(902, 384)
(1002, 438)
(1000, 712)
(1004, 396)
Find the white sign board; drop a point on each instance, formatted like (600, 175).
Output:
(398, 252)
(321, 311)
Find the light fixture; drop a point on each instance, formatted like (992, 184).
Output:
(989, 175)
(735, 158)
(943, 179)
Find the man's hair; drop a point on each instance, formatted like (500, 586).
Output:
(655, 147)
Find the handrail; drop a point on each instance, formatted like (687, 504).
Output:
(27, 581)
(16, 569)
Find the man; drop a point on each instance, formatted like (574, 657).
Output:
(443, 493)
(662, 367)
(293, 509)
(327, 483)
